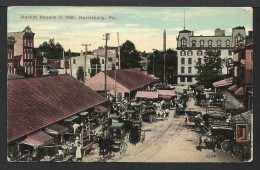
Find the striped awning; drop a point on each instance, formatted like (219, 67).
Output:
(38, 139)
(166, 93)
(147, 94)
(233, 88)
(239, 92)
(224, 82)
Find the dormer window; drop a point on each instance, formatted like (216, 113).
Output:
(239, 39)
(193, 43)
(218, 43)
(183, 42)
(227, 43)
(210, 43)
(201, 43)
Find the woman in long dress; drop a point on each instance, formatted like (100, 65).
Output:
(78, 152)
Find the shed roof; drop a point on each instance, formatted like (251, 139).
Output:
(131, 78)
(35, 103)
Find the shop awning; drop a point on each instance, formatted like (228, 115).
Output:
(83, 113)
(224, 82)
(239, 92)
(56, 129)
(38, 139)
(147, 94)
(233, 88)
(166, 93)
(100, 108)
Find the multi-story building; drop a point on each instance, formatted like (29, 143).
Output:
(111, 57)
(243, 74)
(10, 55)
(24, 47)
(192, 48)
(78, 61)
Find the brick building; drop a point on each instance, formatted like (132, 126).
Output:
(24, 47)
(10, 55)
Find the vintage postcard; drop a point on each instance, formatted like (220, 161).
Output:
(129, 84)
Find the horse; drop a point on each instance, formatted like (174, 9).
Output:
(208, 141)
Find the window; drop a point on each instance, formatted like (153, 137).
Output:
(189, 79)
(103, 62)
(227, 43)
(74, 61)
(201, 43)
(189, 69)
(193, 43)
(218, 43)
(182, 60)
(210, 43)
(189, 61)
(189, 53)
(241, 132)
(199, 61)
(238, 39)
(199, 53)
(183, 53)
(229, 52)
(182, 69)
(183, 42)
(182, 79)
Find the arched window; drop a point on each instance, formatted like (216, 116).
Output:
(201, 43)
(218, 43)
(183, 42)
(238, 39)
(227, 43)
(210, 43)
(193, 42)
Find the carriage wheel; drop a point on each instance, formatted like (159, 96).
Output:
(123, 148)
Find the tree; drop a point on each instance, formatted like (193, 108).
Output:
(170, 64)
(54, 51)
(129, 56)
(95, 66)
(80, 74)
(211, 70)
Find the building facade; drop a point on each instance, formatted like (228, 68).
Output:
(243, 75)
(192, 48)
(24, 46)
(10, 55)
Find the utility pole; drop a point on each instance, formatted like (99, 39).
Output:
(107, 36)
(85, 60)
(164, 68)
(153, 60)
(119, 59)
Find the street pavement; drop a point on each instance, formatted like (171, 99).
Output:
(166, 141)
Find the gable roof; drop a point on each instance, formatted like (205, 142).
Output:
(131, 78)
(35, 103)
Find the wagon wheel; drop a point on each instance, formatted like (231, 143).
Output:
(154, 118)
(123, 148)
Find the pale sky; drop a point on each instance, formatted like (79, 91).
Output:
(143, 26)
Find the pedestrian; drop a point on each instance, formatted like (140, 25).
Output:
(78, 152)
